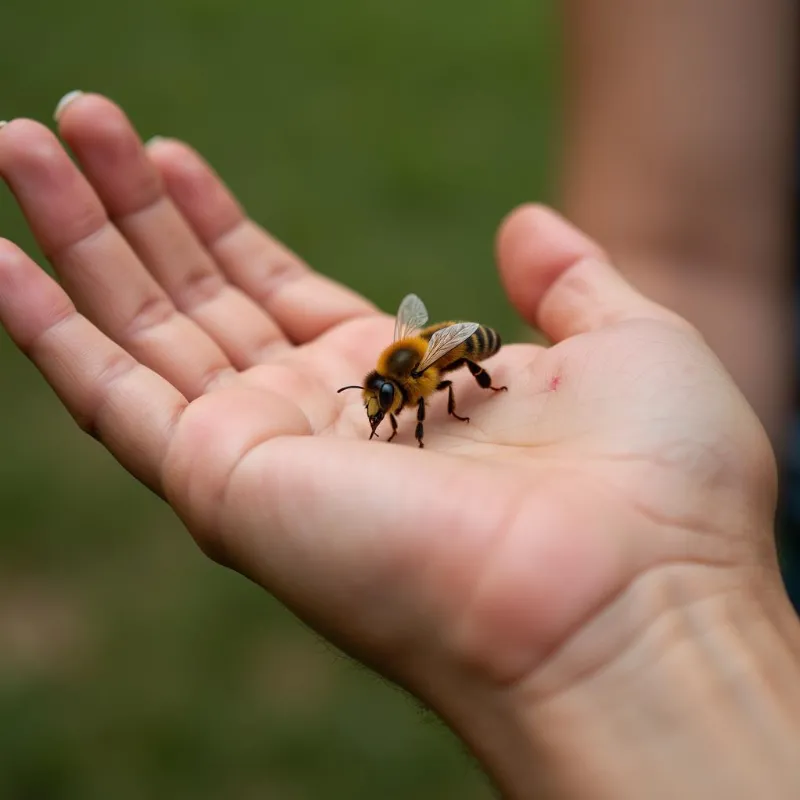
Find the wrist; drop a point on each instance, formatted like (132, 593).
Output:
(699, 699)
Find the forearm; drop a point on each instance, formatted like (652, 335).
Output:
(702, 702)
(679, 158)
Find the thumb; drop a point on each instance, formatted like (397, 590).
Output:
(560, 280)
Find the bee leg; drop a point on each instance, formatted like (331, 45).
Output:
(451, 400)
(483, 378)
(394, 427)
(420, 419)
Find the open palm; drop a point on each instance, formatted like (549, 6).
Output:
(206, 357)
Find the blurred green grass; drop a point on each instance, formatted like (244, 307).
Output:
(384, 142)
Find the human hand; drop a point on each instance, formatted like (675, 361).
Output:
(477, 572)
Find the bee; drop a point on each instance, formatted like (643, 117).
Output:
(412, 367)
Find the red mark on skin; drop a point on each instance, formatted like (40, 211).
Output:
(555, 381)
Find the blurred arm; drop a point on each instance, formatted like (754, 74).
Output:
(680, 160)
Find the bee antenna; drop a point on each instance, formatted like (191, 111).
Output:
(348, 387)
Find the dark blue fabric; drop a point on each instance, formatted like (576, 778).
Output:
(788, 527)
(788, 520)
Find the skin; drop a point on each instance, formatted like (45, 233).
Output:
(679, 157)
(609, 516)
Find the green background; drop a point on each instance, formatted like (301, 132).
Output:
(384, 142)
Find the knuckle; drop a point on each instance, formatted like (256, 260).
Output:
(154, 310)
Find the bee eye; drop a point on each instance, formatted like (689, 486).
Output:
(386, 395)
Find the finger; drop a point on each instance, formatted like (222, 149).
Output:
(129, 408)
(304, 303)
(560, 280)
(116, 163)
(99, 270)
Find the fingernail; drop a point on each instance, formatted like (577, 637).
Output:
(64, 102)
(155, 140)
(3, 123)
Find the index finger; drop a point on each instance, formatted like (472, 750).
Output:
(303, 302)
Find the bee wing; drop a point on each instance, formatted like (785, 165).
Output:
(444, 340)
(411, 316)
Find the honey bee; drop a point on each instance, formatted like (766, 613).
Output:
(410, 369)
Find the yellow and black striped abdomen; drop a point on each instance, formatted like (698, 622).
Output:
(484, 343)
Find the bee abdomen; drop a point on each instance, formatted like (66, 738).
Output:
(484, 343)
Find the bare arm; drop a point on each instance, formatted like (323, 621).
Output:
(586, 591)
(680, 160)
